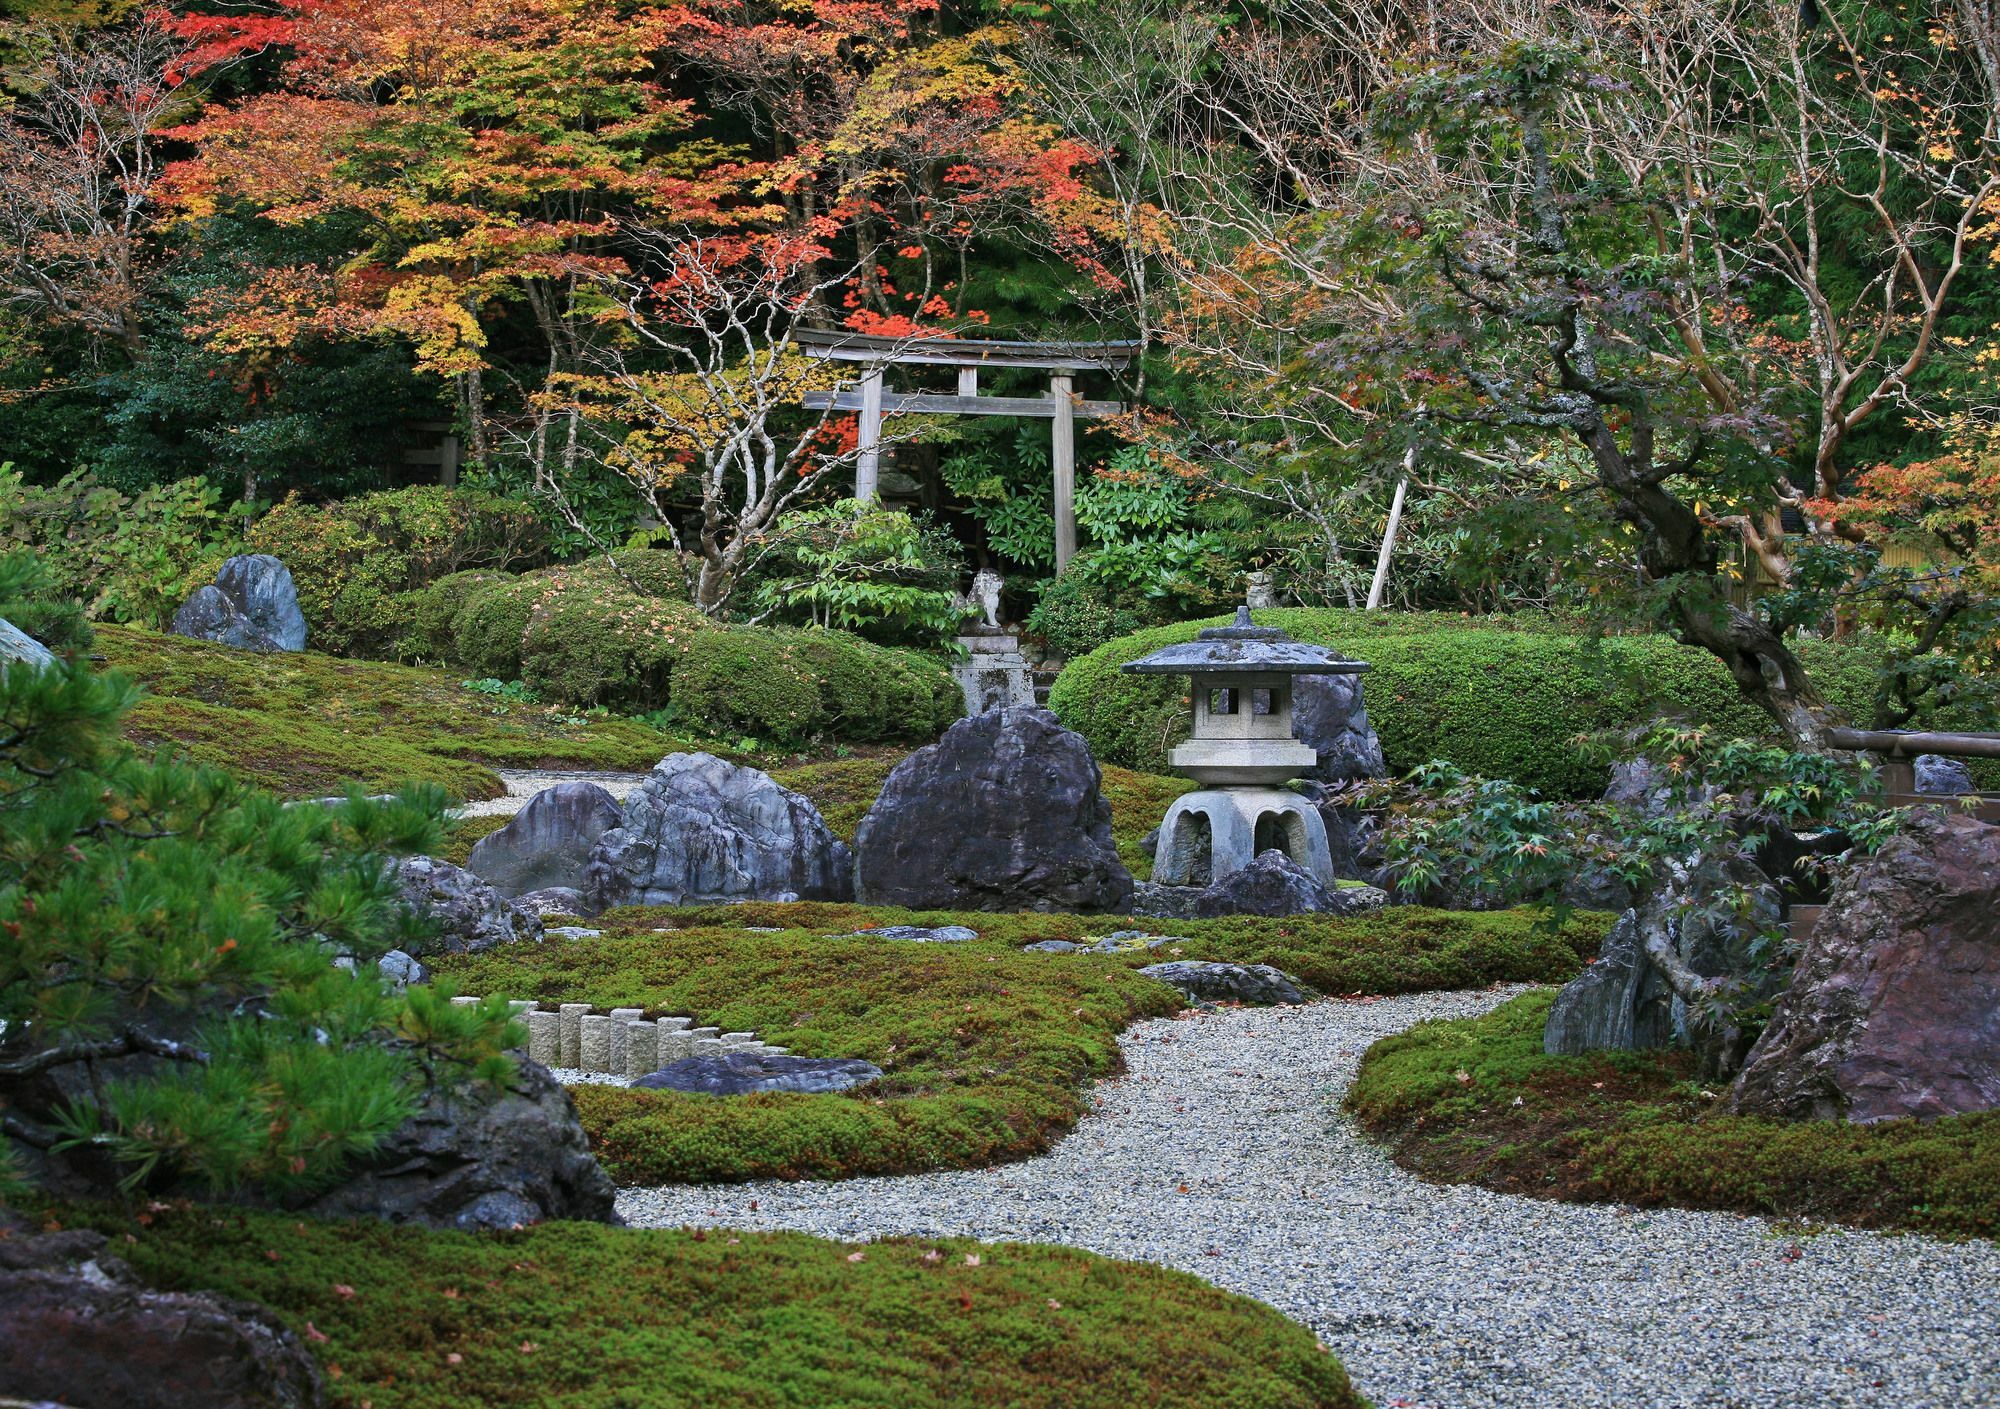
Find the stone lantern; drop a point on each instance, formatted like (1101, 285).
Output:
(1243, 752)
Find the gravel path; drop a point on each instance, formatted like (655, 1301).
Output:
(524, 783)
(1438, 1297)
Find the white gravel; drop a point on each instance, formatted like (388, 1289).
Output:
(524, 783)
(1435, 1297)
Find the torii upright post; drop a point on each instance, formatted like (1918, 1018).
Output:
(1062, 458)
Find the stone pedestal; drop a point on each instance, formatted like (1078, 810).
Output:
(994, 673)
(1212, 833)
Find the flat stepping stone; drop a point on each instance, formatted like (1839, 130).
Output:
(740, 1073)
(1204, 980)
(919, 934)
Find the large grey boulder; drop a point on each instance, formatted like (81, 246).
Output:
(78, 1328)
(1622, 1001)
(1209, 982)
(1003, 813)
(475, 1157)
(1330, 716)
(1894, 1005)
(18, 645)
(700, 831)
(470, 915)
(252, 604)
(548, 844)
(741, 1073)
(1272, 884)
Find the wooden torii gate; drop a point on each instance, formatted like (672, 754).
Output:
(1062, 361)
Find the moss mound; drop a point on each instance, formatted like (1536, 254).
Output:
(1478, 1101)
(1503, 697)
(578, 1316)
(305, 724)
(986, 1049)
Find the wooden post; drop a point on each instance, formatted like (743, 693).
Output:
(968, 381)
(1062, 459)
(1375, 588)
(868, 463)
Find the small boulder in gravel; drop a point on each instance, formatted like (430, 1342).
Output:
(471, 917)
(1205, 981)
(740, 1073)
(702, 831)
(252, 605)
(548, 844)
(920, 934)
(1273, 884)
(1004, 812)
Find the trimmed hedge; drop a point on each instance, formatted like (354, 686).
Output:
(986, 1049)
(1505, 699)
(581, 1316)
(1478, 1101)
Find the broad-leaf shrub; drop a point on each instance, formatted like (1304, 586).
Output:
(154, 910)
(877, 572)
(361, 564)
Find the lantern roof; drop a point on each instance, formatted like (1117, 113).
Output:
(1243, 647)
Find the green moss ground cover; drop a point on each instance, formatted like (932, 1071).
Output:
(1478, 1101)
(304, 724)
(987, 1049)
(579, 1316)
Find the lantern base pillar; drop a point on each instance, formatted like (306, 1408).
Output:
(1209, 834)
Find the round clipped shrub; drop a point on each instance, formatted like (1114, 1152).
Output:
(872, 692)
(360, 563)
(753, 680)
(487, 631)
(1506, 698)
(590, 639)
(432, 614)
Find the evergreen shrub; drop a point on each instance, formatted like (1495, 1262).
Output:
(1503, 697)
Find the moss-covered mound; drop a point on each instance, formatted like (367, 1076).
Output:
(1478, 1101)
(1492, 695)
(987, 1050)
(306, 724)
(577, 1316)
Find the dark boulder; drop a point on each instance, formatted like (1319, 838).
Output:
(917, 934)
(474, 1156)
(1330, 716)
(1353, 833)
(700, 831)
(1003, 813)
(1894, 1005)
(548, 844)
(252, 604)
(1273, 884)
(740, 1073)
(76, 1329)
(1622, 1001)
(470, 915)
(1209, 982)
(1942, 777)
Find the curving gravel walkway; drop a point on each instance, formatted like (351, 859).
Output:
(524, 783)
(1439, 1297)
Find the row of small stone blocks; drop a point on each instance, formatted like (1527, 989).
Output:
(622, 1042)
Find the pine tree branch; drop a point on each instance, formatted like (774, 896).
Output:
(130, 1043)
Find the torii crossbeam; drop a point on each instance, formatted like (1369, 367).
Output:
(1062, 361)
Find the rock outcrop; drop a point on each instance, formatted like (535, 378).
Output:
(1894, 1006)
(741, 1073)
(475, 1157)
(1330, 717)
(548, 844)
(77, 1329)
(1273, 884)
(18, 645)
(1004, 812)
(470, 915)
(1205, 981)
(700, 831)
(252, 604)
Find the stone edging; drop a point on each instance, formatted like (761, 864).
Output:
(622, 1041)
